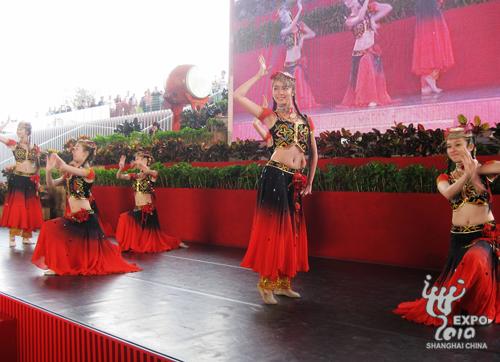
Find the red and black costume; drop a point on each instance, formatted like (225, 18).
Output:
(278, 242)
(367, 80)
(139, 230)
(22, 211)
(75, 244)
(432, 48)
(473, 257)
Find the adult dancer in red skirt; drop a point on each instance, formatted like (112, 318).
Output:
(367, 85)
(278, 242)
(75, 244)
(294, 32)
(22, 211)
(432, 51)
(139, 230)
(474, 255)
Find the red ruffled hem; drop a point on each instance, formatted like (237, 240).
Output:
(482, 297)
(131, 236)
(68, 253)
(432, 48)
(23, 213)
(274, 250)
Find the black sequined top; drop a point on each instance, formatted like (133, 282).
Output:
(287, 133)
(142, 184)
(360, 28)
(468, 195)
(79, 186)
(21, 154)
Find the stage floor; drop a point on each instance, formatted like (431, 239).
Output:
(197, 304)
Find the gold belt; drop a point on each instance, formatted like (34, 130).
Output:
(467, 229)
(282, 167)
(25, 174)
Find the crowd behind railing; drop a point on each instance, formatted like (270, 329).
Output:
(150, 101)
(119, 106)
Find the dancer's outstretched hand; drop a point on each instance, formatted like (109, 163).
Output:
(50, 163)
(470, 164)
(263, 70)
(121, 164)
(265, 103)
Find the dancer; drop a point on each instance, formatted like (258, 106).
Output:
(278, 242)
(139, 230)
(105, 226)
(22, 212)
(75, 244)
(474, 255)
(432, 51)
(293, 33)
(367, 85)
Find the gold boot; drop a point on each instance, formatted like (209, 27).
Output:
(265, 288)
(284, 287)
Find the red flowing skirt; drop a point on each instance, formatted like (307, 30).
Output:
(106, 227)
(140, 232)
(78, 248)
(367, 81)
(22, 208)
(278, 240)
(432, 48)
(478, 269)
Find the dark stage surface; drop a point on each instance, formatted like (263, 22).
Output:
(197, 304)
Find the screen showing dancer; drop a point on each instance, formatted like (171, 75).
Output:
(363, 64)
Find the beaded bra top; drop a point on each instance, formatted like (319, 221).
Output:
(286, 134)
(142, 184)
(360, 28)
(79, 186)
(21, 154)
(468, 195)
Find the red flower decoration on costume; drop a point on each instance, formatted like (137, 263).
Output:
(489, 232)
(148, 209)
(299, 181)
(81, 216)
(11, 143)
(35, 179)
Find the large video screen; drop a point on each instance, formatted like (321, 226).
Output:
(363, 64)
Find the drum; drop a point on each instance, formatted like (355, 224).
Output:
(186, 84)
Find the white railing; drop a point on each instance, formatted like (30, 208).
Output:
(56, 137)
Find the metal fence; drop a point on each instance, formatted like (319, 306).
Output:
(56, 137)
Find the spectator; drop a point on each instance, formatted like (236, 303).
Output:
(132, 103)
(155, 100)
(155, 127)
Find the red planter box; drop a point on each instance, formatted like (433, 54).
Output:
(438, 162)
(399, 229)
